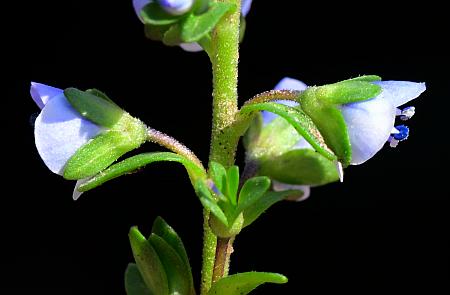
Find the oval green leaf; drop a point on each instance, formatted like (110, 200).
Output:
(252, 190)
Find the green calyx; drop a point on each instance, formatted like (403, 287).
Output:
(273, 148)
(322, 105)
(193, 26)
(123, 134)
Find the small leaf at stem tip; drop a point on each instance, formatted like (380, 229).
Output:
(153, 14)
(232, 184)
(134, 283)
(244, 283)
(134, 163)
(265, 202)
(195, 27)
(252, 190)
(148, 263)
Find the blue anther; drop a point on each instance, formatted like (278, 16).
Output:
(402, 134)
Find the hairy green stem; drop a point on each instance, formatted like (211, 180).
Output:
(224, 55)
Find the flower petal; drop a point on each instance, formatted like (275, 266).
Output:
(279, 186)
(369, 125)
(60, 131)
(42, 93)
(290, 84)
(176, 7)
(191, 47)
(138, 5)
(245, 6)
(401, 92)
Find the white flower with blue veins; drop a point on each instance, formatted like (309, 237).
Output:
(59, 130)
(179, 7)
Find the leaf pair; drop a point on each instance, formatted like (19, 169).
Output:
(162, 265)
(192, 26)
(233, 209)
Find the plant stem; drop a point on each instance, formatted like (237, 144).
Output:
(223, 253)
(224, 57)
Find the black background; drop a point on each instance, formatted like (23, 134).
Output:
(383, 229)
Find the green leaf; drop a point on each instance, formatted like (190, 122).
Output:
(232, 184)
(208, 201)
(244, 283)
(300, 166)
(153, 14)
(252, 190)
(195, 27)
(136, 162)
(134, 283)
(265, 202)
(219, 175)
(155, 33)
(299, 120)
(346, 92)
(148, 263)
(215, 210)
(166, 232)
(172, 36)
(93, 107)
(176, 270)
(96, 155)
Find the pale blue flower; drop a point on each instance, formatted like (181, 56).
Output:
(371, 122)
(59, 130)
(177, 7)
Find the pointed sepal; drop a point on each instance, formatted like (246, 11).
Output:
(244, 283)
